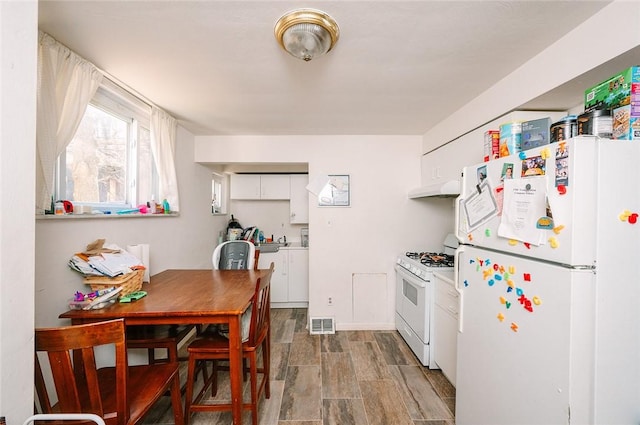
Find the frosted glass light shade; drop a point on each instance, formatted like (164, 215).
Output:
(306, 33)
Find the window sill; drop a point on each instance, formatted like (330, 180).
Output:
(101, 216)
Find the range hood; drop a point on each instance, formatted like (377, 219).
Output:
(447, 189)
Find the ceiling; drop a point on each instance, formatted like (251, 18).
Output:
(399, 67)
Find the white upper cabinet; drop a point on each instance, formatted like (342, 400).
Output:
(299, 204)
(244, 186)
(259, 186)
(274, 186)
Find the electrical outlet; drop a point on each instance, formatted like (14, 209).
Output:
(330, 302)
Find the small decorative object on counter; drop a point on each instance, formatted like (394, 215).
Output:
(58, 208)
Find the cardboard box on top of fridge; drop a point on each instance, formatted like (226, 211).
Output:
(535, 133)
(626, 122)
(619, 90)
(491, 145)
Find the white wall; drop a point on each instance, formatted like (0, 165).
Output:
(186, 241)
(359, 241)
(18, 38)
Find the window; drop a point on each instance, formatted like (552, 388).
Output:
(109, 164)
(218, 201)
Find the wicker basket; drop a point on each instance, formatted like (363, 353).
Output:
(130, 282)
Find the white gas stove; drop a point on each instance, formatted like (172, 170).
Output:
(415, 296)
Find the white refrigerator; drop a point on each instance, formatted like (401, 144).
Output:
(548, 273)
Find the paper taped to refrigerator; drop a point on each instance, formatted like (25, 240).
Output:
(480, 207)
(525, 202)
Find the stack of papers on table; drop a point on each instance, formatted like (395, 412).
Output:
(105, 264)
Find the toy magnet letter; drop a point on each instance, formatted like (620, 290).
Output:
(562, 189)
(629, 217)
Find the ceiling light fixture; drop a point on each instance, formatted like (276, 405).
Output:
(306, 33)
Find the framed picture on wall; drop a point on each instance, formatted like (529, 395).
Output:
(336, 192)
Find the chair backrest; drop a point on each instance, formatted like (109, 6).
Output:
(261, 307)
(234, 255)
(70, 351)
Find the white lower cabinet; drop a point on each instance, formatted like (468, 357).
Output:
(290, 280)
(298, 275)
(446, 326)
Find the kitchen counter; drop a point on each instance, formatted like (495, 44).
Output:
(275, 247)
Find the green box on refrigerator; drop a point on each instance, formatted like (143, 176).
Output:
(619, 90)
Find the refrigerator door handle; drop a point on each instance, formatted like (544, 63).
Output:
(457, 203)
(458, 286)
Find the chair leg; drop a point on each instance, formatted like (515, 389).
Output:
(254, 387)
(176, 401)
(266, 367)
(214, 377)
(191, 369)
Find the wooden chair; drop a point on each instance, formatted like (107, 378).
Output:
(216, 347)
(151, 337)
(120, 394)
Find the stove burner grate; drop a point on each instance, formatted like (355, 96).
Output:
(432, 259)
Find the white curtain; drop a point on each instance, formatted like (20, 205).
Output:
(163, 140)
(66, 84)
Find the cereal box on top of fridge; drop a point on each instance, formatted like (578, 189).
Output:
(619, 90)
(626, 122)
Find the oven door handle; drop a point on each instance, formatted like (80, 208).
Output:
(410, 278)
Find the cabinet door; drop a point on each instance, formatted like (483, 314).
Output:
(274, 186)
(280, 277)
(299, 204)
(244, 186)
(298, 275)
(445, 326)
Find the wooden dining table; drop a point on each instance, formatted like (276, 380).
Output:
(190, 297)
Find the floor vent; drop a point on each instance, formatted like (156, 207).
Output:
(322, 325)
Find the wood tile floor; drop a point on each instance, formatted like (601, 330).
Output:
(348, 378)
